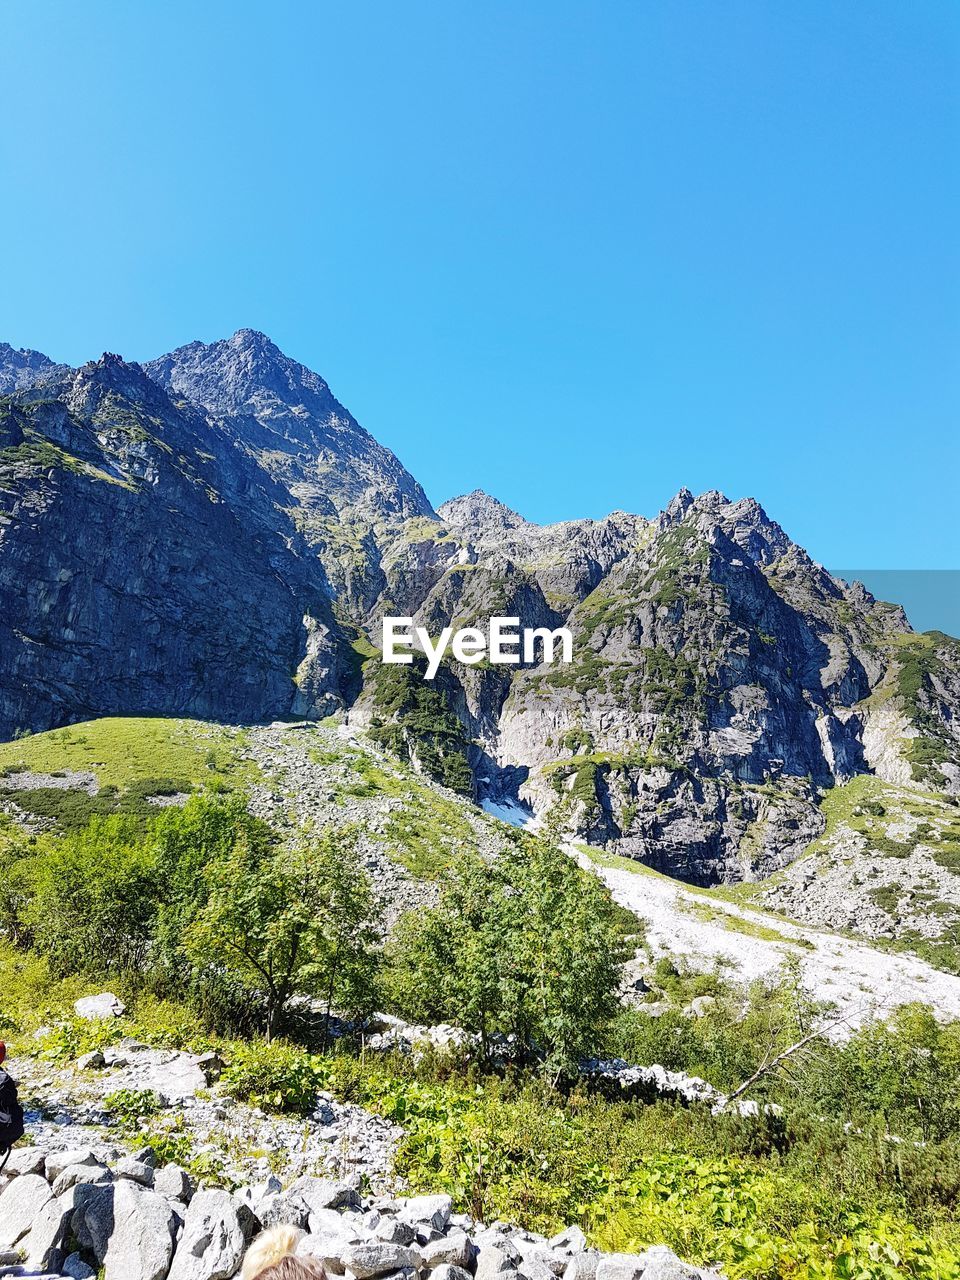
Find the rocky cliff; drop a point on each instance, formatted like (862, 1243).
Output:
(213, 534)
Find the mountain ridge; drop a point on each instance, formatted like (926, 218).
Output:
(212, 533)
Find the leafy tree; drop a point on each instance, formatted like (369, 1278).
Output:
(527, 947)
(289, 921)
(93, 907)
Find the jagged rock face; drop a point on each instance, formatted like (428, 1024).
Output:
(144, 565)
(345, 492)
(24, 368)
(180, 538)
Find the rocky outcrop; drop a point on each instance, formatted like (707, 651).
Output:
(126, 1230)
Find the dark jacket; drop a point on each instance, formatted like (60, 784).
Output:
(11, 1114)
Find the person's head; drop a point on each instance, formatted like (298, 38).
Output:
(3, 1051)
(273, 1256)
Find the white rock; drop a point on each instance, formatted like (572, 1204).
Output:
(174, 1183)
(20, 1204)
(215, 1233)
(433, 1210)
(57, 1161)
(377, 1258)
(75, 1173)
(129, 1229)
(455, 1250)
(105, 1005)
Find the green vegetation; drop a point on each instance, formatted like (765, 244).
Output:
(526, 948)
(122, 751)
(208, 926)
(822, 1192)
(413, 720)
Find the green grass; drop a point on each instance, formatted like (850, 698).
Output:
(123, 751)
(132, 759)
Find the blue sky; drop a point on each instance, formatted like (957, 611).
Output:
(575, 254)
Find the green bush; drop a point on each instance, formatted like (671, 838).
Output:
(276, 1077)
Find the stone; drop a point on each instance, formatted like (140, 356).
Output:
(571, 1240)
(344, 1227)
(393, 1230)
(582, 1266)
(92, 1061)
(75, 1173)
(44, 1246)
(377, 1258)
(285, 1208)
(21, 1202)
(75, 1267)
(174, 1183)
(25, 1160)
(129, 1230)
(326, 1193)
(432, 1210)
(621, 1266)
(447, 1271)
(216, 1231)
(494, 1260)
(538, 1264)
(136, 1171)
(326, 1248)
(105, 1005)
(699, 1006)
(57, 1161)
(456, 1250)
(661, 1263)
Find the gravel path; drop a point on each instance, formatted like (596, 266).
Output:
(859, 980)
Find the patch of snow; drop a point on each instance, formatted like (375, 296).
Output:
(518, 815)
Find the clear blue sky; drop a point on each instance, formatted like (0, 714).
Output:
(576, 254)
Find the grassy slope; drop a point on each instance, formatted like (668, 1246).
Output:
(121, 751)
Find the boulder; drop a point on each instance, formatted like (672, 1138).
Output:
(570, 1240)
(433, 1211)
(377, 1258)
(21, 1203)
(129, 1230)
(174, 1183)
(57, 1161)
(661, 1263)
(540, 1264)
(447, 1271)
(77, 1269)
(45, 1245)
(25, 1160)
(104, 1005)
(455, 1250)
(582, 1266)
(495, 1260)
(216, 1230)
(92, 1061)
(283, 1208)
(326, 1248)
(393, 1230)
(136, 1171)
(75, 1173)
(326, 1193)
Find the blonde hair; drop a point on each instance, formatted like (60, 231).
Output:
(273, 1247)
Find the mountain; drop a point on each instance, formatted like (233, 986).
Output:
(213, 534)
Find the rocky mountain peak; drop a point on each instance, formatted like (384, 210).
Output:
(110, 376)
(244, 374)
(678, 506)
(21, 368)
(480, 511)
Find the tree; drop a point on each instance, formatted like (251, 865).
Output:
(528, 946)
(94, 899)
(289, 921)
